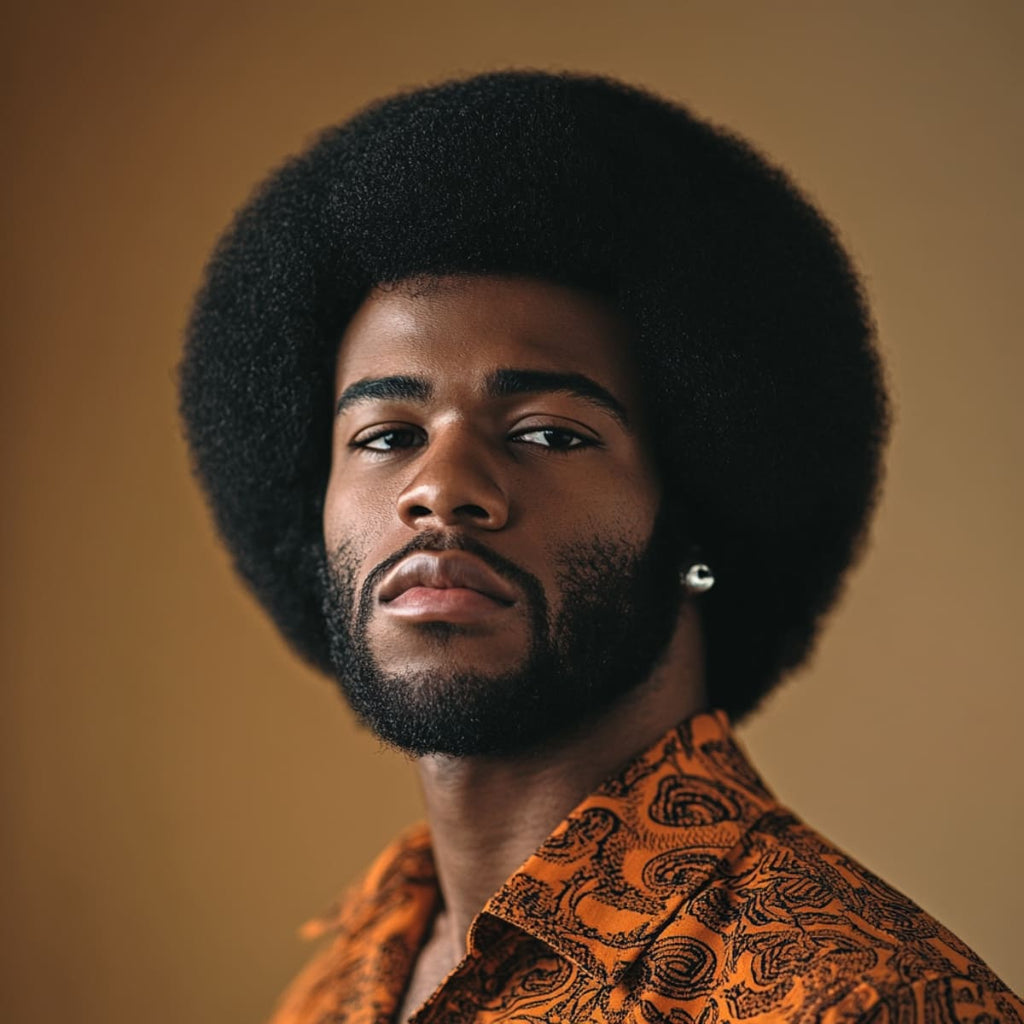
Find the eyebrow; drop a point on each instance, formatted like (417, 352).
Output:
(377, 389)
(508, 382)
(503, 383)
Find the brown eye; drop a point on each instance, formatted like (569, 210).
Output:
(389, 440)
(557, 438)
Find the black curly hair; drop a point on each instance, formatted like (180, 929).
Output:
(753, 340)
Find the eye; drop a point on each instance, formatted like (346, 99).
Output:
(388, 440)
(557, 438)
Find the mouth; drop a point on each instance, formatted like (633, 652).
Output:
(452, 586)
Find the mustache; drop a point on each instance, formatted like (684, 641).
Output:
(438, 540)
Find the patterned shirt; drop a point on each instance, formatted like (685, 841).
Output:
(679, 892)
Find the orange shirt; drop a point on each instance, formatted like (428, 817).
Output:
(679, 892)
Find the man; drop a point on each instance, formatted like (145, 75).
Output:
(546, 418)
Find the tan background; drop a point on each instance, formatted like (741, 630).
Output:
(178, 792)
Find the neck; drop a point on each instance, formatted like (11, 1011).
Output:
(487, 815)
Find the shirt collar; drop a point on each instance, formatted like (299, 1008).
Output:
(616, 871)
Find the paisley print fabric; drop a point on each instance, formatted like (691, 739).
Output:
(679, 892)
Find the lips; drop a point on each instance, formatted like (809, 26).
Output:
(445, 570)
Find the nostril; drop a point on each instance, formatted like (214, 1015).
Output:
(419, 510)
(476, 511)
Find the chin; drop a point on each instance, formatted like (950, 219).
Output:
(441, 645)
(448, 668)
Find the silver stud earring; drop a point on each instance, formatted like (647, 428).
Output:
(698, 579)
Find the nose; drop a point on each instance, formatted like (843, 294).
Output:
(455, 485)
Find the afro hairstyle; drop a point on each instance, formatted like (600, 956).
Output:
(752, 339)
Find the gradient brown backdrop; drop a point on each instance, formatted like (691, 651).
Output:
(178, 792)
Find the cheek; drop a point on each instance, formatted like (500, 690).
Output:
(355, 514)
(623, 512)
(640, 515)
(619, 527)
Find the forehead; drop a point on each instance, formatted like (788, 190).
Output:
(457, 330)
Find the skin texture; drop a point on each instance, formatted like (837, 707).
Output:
(462, 462)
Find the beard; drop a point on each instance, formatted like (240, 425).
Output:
(618, 608)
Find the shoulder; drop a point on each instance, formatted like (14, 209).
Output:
(405, 866)
(791, 927)
(369, 937)
(952, 999)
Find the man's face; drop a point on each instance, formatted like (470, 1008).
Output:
(497, 572)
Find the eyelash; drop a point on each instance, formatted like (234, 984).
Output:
(581, 440)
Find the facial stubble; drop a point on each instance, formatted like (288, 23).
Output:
(617, 609)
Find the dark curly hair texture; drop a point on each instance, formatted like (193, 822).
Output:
(753, 341)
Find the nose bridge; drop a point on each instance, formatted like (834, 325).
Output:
(456, 480)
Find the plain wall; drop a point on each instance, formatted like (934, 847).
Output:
(178, 792)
